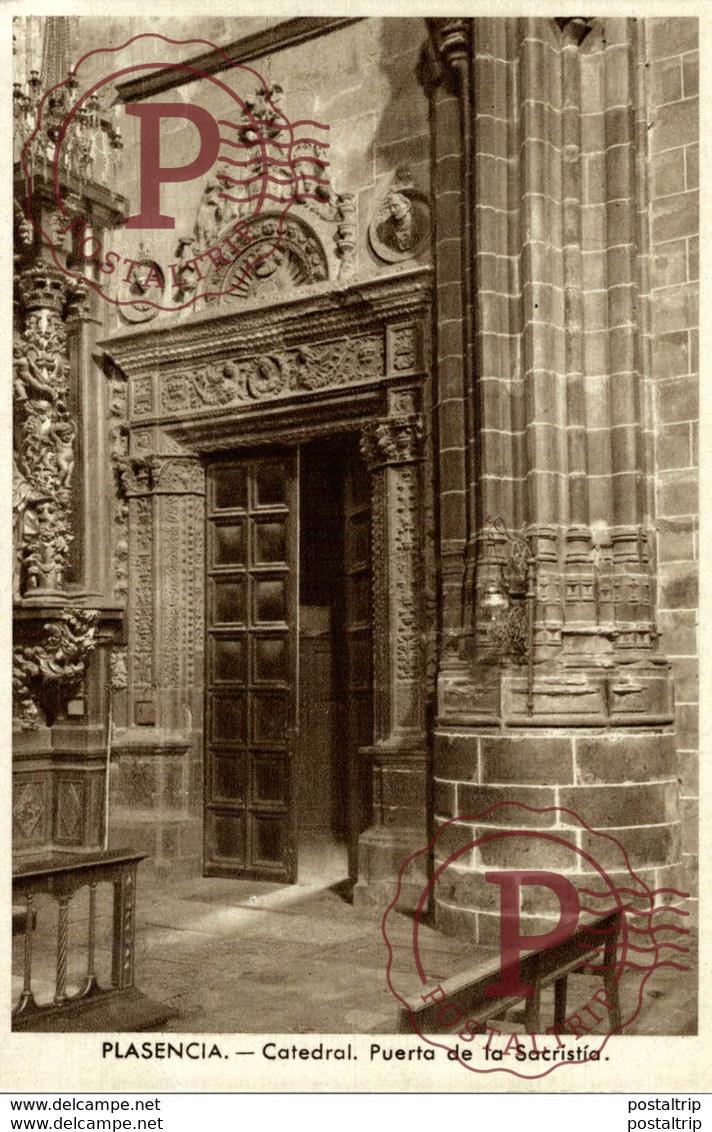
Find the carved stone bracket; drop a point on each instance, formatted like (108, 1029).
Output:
(45, 673)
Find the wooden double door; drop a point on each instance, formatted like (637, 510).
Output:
(265, 555)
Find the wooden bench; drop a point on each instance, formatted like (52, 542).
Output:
(467, 991)
(95, 1008)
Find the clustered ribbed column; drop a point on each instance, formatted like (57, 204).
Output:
(553, 690)
(392, 448)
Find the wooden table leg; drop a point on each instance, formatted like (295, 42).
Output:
(610, 977)
(532, 1008)
(122, 960)
(560, 1002)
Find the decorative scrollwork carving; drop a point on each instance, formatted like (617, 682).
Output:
(45, 674)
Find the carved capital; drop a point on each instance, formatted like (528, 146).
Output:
(394, 440)
(43, 288)
(277, 373)
(135, 476)
(44, 674)
(575, 28)
(178, 475)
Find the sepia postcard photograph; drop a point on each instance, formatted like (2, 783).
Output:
(354, 551)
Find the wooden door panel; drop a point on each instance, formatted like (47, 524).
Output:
(359, 642)
(251, 666)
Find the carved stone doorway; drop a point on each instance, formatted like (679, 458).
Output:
(289, 662)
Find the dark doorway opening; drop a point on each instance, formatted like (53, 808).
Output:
(335, 670)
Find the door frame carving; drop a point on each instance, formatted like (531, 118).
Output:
(340, 389)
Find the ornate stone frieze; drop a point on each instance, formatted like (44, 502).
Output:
(46, 673)
(141, 611)
(274, 374)
(407, 574)
(44, 451)
(395, 440)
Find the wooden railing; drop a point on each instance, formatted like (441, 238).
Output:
(575, 955)
(93, 1007)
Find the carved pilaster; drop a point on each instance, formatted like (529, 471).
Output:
(118, 448)
(165, 501)
(392, 450)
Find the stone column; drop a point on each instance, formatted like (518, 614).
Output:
(392, 449)
(563, 667)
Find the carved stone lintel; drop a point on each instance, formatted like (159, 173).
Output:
(45, 674)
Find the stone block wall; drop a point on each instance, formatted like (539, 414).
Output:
(671, 65)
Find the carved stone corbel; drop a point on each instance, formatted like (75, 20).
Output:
(44, 674)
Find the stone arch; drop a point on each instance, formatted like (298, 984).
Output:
(281, 252)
